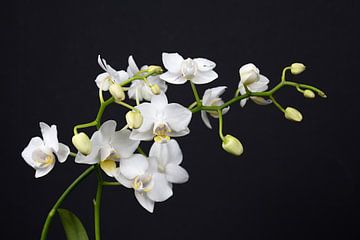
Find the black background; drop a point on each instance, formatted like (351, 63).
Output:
(294, 181)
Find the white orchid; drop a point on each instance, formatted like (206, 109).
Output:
(152, 178)
(108, 147)
(110, 76)
(251, 78)
(39, 153)
(197, 70)
(212, 98)
(162, 120)
(138, 88)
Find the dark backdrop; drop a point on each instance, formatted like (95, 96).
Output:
(294, 181)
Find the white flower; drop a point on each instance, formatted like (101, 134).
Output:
(110, 76)
(139, 87)
(251, 78)
(39, 153)
(197, 70)
(212, 98)
(162, 120)
(108, 147)
(152, 178)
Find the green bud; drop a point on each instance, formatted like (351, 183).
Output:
(232, 145)
(293, 114)
(297, 68)
(117, 92)
(309, 94)
(155, 89)
(154, 69)
(134, 119)
(82, 143)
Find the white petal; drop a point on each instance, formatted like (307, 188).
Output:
(148, 113)
(204, 77)
(92, 158)
(157, 80)
(133, 166)
(40, 172)
(136, 85)
(181, 133)
(107, 130)
(261, 100)
(121, 76)
(205, 119)
(225, 110)
(176, 174)
(35, 143)
(103, 82)
(243, 102)
(165, 153)
(173, 78)
(177, 116)
(132, 68)
(211, 94)
(143, 136)
(121, 179)
(122, 143)
(204, 64)
(162, 189)
(62, 153)
(105, 151)
(50, 136)
(144, 201)
(172, 62)
(159, 101)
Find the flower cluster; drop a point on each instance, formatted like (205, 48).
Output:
(152, 118)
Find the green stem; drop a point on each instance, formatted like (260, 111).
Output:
(58, 203)
(196, 94)
(221, 125)
(276, 103)
(127, 106)
(257, 94)
(191, 106)
(98, 203)
(284, 72)
(105, 183)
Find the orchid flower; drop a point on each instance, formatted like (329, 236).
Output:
(212, 98)
(251, 78)
(138, 88)
(110, 76)
(162, 120)
(108, 147)
(152, 178)
(197, 70)
(39, 153)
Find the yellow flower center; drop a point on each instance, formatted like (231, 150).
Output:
(161, 132)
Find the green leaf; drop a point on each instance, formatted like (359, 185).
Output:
(74, 230)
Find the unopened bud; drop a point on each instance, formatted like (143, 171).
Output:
(232, 145)
(322, 94)
(155, 89)
(297, 68)
(309, 94)
(134, 119)
(117, 92)
(82, 143)
(154, 69)
(293, 114)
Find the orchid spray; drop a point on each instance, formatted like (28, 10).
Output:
(116, 152)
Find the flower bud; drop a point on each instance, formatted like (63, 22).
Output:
(232, 145)
(134, 119)
(155, 89)
(322, 94)
(117, 92)
(297, 68)
(309, 94)
(154, 69)
(249, 73)
(293, 114)
(82, 143)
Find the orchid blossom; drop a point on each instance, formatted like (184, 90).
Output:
(40, 153)
(180, 70)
